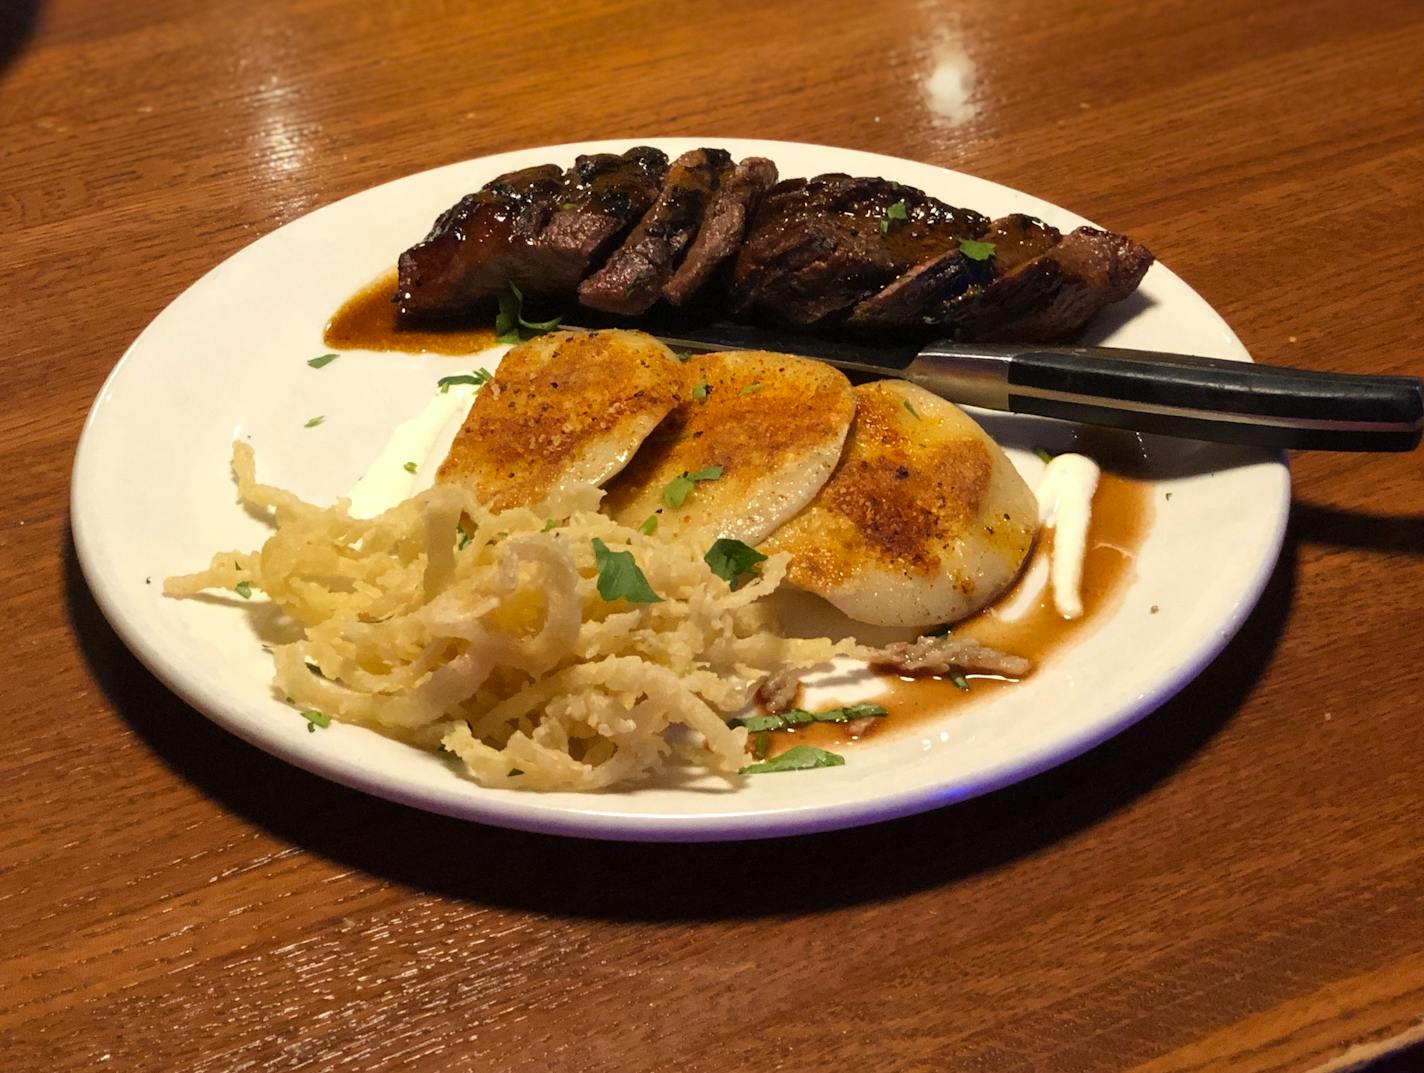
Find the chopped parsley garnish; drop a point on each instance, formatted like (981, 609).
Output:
(619, 577)
(911, 410)
(700, 391)
(322, 360)
(939, 631)
(976, 250)
(409, 467)
(478, 378)
(510, 325)
(730, 559)
(243, 589)
(649, 526)
(676, 491)
(796, 717)
(550, 524)
(567, 206)
(798, 758)
(751, 389)
(960, 682)
(682, 355)
(1043, 454)
(464, 538)
(315, 719)
(896, 211)
(314, 422)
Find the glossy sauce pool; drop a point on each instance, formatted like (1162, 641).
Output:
(1122, 516)
(368, 320)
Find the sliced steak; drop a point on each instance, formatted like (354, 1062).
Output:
(724, 224)
(818, 246)
(461, 264)
(634, 276)
(1049, 297)
(602, 197)
(909, 302)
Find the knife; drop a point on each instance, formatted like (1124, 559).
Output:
(1142, 390)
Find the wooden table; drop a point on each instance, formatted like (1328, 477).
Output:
(1233, 885)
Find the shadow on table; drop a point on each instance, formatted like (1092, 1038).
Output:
(17, 25)
(1400, 534)
(571, 877)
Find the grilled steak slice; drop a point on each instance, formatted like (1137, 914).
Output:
(818, 246)
(723, 226)
(907, 302)
(461, 263)
(1048, 298)
(634, 276)
(602, 196)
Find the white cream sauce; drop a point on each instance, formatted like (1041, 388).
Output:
(1065, 505)
(423, 440)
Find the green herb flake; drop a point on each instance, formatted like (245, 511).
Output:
(797, 758)
(567, 206)
(315, 719)
(321, 361)
(730, 559)
(911, 411)
(509, 323)
(1043, 454)
(552, 523)
(682, 355)
(314, 422)
(939, 631)
(975, 250)
(676, 491)
(506, 321)
(619, 577)
(796, 717)
(464, 538)
(649, 526)
(409, 467)
(751, 389)
(478, 378)
(700, 391)
(960, 682)
(243, 589)
(897, 211)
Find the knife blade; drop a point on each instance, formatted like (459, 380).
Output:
(1141, 390)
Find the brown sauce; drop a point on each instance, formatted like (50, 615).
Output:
(368, 320)
(1122, 516)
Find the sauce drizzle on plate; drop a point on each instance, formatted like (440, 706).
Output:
(1122, 516)
(368, 320)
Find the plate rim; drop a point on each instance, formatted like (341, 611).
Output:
(589, 820)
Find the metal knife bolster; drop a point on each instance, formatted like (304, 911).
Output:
(1181, 395)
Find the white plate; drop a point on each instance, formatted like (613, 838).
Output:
(152, 496)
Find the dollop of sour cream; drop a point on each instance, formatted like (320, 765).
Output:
(1065, 504)
(408, 461)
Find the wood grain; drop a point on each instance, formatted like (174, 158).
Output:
(1232, 885)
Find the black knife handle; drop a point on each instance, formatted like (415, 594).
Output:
(1182, 395)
